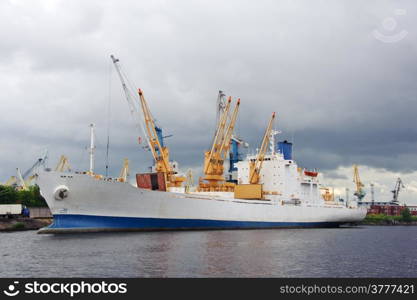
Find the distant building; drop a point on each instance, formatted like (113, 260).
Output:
(387, 208)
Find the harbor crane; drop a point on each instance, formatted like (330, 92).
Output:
(152, 133)
(359, 192)
(256, 165)
(214, 158)
(39, 162)
(398, 186)
(23, 181)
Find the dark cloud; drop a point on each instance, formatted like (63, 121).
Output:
(341, 95)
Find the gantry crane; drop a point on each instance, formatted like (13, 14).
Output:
(256, 165)
(359, 192)
(398, 185)
(214, 179)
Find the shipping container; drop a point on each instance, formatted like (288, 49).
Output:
(10, 209)
(151, 181)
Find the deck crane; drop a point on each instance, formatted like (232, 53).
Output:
(398, 185)
(130, 98)
(152, 133)
(124, 173)
(160, 153)
(256, 165)
(63, 164)
(214, 179)
(189, 181)
(359, 192)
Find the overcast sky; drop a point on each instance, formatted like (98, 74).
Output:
(341, 76)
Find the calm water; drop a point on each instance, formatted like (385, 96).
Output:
(373, 251)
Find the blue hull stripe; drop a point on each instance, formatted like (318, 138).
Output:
(104, 222)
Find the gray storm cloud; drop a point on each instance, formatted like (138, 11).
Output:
(341, 95)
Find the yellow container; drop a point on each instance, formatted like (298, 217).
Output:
(248, 191)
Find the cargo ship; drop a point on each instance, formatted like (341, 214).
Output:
(263, 190)
(289, 197)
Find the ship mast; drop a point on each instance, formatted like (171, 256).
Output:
(92, 148)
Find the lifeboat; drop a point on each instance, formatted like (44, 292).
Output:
(311, 173)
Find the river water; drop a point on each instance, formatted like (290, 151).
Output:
(365, 251)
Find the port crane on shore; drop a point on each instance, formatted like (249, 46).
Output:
(153, 134)
(214, 158)
(23, 181)
(359, 192)
(396, 191)
(11, 181)
(256, 165)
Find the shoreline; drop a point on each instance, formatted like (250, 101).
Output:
(388, 223)
(22, 224)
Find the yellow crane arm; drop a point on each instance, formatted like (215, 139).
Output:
(161, 159)
(10, 181)
(125, 171)
(218, 136)
(356, 178)
(63, 164)
(256, 166)
(225, 146)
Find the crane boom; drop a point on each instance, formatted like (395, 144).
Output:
(63, 164)
(40, 161)
(159, 153)
(218, 137)
(225, 146)
(214, 158)
(10, 181)
(359, 192)
(20, 179)
(124, 173)
(130, 98)
(256, 165)
(398, 185)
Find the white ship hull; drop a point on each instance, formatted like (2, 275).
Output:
(99, 205)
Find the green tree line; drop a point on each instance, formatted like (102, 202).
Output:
(385, 219)
(30, 197)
